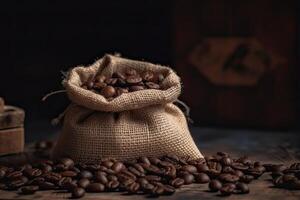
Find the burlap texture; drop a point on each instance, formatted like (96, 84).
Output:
(141, 123)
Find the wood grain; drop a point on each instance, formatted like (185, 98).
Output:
(12, 117)
(11, 141)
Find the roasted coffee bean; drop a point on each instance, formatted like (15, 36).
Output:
(16, 183)
(189, 168)
(52, 177)
(238, 173)
(246, 178)
(170, 171)
(177, 182)
(85, 174)
(108, 91)
(32, 172)
(226, 161)
(111, 81)
(226, 190)
(188, 179)
(64, 181)
(101, 178)
(2, 173)
(230, 178)
(242, 188)
(78, 192)
(84, 182)
(215, 185)
(157, 190)
(136, 88)
(144, 160)
(14, 175)
(168, 189)
(152, 178)
(239, 166)
(111, 177)
(29, 189)
(202, 178)
(202, 168)
(95, 187)
(99, 85)
(117, 166)
(68, 173)
(100, 78)
(227, 169)
(112, 185)
(133, 188)
(67, 162)
(152, 85)
(47, 186)
(139, 168)
(142, 181)
(134, 79)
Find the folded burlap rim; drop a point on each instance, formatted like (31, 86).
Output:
(171, 86)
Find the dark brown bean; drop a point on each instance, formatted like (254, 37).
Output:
(29, 189)
(95, 187)
(215, 185)
(177, 182)
(78, 192)
(202, 178)
(117, 166)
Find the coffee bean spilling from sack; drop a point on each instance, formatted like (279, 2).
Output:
(146, 175)
(119, 83)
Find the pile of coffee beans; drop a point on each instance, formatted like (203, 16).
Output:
(285, 177)
(152, 176)
(119, 83)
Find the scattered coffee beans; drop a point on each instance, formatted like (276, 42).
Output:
(119, 83)
(153, 176)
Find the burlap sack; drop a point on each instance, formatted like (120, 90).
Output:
(141, 123)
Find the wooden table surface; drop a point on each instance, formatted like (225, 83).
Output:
(275, 147)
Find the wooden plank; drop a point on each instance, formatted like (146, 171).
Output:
(11, 141)
(12, 117)
(268, 147)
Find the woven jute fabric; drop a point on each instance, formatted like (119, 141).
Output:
(141, 123)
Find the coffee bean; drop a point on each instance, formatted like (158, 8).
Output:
(226, 161)
(158, 190)
(100, 78)
(68, 173)
(14, 175)
(112, 185)
(108, 91)
(47, 186)
(95, 187)
(239, 166)
(152, 178)
(230, 178)
(177, 182)
(202, 178)
(29, 189)
(101, 178)
(202, 168)
(226, 190)
(215, 185)
(152, 85)
(32, 172)
(85, 174)
(242, 188)
(78, 192)
(52, 177)
(168, 189)
(2, 173)
(67, 162)
(136, 88)
(111, 177)
(63, 182)
(84, 182)
(189, 168)
(117, 166)
(133, 188)
(246, 178)
(134, 79)
(188, 179)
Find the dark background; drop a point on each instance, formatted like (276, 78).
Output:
(39, 39)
